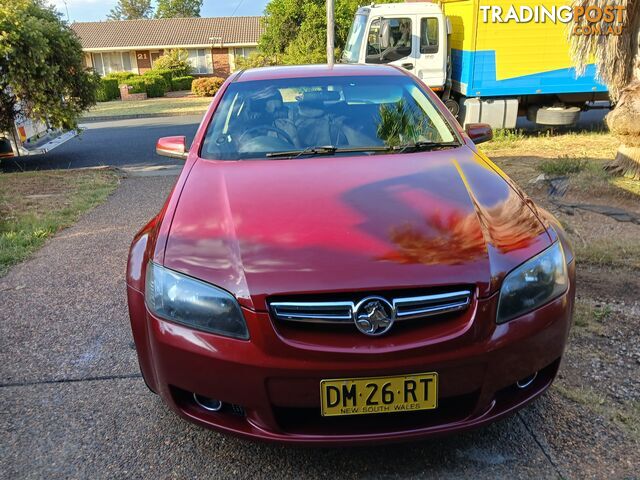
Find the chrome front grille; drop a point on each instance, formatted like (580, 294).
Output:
(404, 308)
(428, 305)
(331, 312)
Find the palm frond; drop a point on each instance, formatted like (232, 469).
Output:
(615, 56)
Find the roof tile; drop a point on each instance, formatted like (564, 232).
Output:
(168, 32)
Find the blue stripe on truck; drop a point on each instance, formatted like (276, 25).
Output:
(474, 75)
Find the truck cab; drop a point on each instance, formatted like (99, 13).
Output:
(410, 35)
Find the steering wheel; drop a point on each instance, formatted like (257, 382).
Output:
(267, 128)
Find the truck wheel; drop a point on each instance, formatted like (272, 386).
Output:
(553, 115)
(452, 106)
(6, 151)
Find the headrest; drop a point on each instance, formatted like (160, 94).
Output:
(266, 94)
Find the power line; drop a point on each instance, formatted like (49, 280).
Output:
(237, 7)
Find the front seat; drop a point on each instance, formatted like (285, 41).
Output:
(313, 125)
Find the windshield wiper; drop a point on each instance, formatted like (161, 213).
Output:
(331, 149)
(422, 146)
(325, 150)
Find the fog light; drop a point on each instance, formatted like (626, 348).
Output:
(237, 410)
(208, 404)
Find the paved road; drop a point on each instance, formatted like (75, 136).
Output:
(127, 143)
(74, 405)
(121, 143)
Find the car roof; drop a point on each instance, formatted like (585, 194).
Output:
(302, 71)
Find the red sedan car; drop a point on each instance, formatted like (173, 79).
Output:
(339, 264)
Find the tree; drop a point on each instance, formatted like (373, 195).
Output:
(255, 60)
(175, 60)
(282, 20)
(295, 30)
(131, 10)
(617, 63)
(41, 66)
(178, 8)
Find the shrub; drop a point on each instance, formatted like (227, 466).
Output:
(107, 90)
(255, 60)
(152, 85)
(121, 76)
(206, 87)
(563, 166)
(164, 73)
(176, 60)
(137, 85)
(155, 85)
(181, 83)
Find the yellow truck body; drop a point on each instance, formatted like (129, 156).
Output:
(512, 58)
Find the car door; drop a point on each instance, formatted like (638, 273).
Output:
(392, 40)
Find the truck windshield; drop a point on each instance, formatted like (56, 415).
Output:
(354, 40)
(324, 115)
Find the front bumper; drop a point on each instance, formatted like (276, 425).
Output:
(270, 387)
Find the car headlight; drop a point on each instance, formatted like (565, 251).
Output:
(532, 284)
(182, 299)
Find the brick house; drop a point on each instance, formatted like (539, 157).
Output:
(213, 43)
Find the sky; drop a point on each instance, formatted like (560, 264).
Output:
(94, 10)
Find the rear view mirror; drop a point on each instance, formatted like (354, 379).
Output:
(479, 132)
(174, 147)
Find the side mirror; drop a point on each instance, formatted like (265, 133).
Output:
(174, 147)
(479, 132)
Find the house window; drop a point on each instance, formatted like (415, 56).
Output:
(200, 60)
(126, 61)
(112, 62)
(244, 52)
(109, 62)
(96, 59)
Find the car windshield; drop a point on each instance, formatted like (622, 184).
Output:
(354, 39)
(303, 116)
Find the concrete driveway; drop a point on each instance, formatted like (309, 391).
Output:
(74, 405)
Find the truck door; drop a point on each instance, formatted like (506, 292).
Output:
(392, 40)
(431, 66)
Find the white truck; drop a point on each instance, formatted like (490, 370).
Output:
(30, 137)
(485, 70)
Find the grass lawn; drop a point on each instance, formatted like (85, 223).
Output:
(586, 144)
(166, 105)
(35, 205)
(579, 157)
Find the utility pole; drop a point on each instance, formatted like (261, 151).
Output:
(67, 9)
(331, 28)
